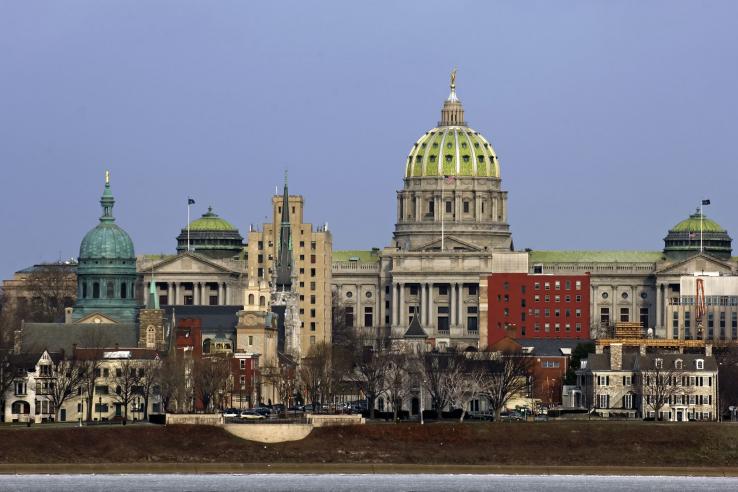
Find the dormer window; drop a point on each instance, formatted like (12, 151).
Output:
(448, 145)
(700, 364)
(480, 158)
(466, 158)
(448, 157)
(659, 363)
(678, 364)
(432, 158)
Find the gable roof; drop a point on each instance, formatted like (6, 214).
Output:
(448, 239)
(551, 348)
(709, 258)
(415, 330)
(634, 361)
(195, 257)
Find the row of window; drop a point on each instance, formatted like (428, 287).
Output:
(109, 290)
(557, 285)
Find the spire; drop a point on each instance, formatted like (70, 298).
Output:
(452, 113)
(284, 258)
(107, 201)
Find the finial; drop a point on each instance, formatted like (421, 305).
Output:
(285, 177)
(453, 79)
(107, 178)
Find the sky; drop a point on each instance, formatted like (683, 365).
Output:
(611, 120)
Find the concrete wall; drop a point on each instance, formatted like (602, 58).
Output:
(269, 433)
(195, 418)
(331, 420)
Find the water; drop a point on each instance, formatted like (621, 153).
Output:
(357, 482)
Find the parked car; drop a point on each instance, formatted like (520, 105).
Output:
(251, 415)
(230, 413)
(263, 411)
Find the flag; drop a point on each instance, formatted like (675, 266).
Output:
(705, 202)
(190, 201)
(450, 179)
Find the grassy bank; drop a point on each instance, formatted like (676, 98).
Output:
(551, 444)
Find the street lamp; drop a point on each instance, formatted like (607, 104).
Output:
(421, 402)
(99, 408)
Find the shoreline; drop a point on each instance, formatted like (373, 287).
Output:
(352, 468)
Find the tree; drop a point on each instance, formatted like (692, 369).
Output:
(315, 372)
(126, 382)
(69, 376)
(283, 379)
(661, 384)
(172, 384)
(727, 359)
(581, 351)
(210, 379)
(52, 288)
(94, 343)
(149, 374)
(433, 369)
(508, 375)
(7, 374)
(397, 380)
(371, 367)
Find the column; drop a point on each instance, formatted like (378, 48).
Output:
(220, 293)
(393, 306)
(196, 293)
(659, 302)
(452, 307)
(170, 293)
(401, 306)
(423, 306)
(359, 316)
(459, 303)
(225, 294)
(431, 318)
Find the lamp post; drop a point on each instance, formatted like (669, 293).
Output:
(421, 402)
(99, 409)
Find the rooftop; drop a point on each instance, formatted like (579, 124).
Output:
(595, 256)
(359, 255)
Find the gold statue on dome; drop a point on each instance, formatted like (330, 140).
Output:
(453, 78)
(107, 177)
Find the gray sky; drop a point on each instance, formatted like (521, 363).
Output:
(611, 119)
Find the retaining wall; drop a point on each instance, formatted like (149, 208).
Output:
(269, 433)
(195, 418)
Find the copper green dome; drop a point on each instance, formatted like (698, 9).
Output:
(107, 240)
(697, 234)
(694, 224)
(211, 222)
(452, 148)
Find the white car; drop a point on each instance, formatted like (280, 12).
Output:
(251, 415)
(230, 413)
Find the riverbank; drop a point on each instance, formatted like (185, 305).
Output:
(542, 448)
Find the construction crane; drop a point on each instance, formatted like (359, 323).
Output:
(699, 302)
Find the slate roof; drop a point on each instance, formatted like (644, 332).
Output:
(57, 337)
(634, 361)
(550, 348)
(213, 319)
(415, 330)
(29, 360)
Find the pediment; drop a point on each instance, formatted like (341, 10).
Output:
(450, 243)
(97, 319)
(189, 263)
(697, 263)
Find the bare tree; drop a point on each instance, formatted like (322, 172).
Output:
(507, 375)
(397, 386)
(434, 368)
(211, 377)
(7, 374)
(316, 373)
(172, 383)
(93, 343)
(371, 367)
(149, 373)
(661, 384)
(283, 379)
(68, 377)
(126, 381)
(51, 287)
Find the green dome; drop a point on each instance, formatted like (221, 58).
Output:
(694, 224)
(106, 241)
(452, 151)
(211, 222)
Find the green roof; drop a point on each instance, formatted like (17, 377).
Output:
(360, 255)
(211, 222)
(595, 256)
(694, 224)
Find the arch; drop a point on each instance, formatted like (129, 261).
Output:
(96, 290)
(151, 337)
(206, 346)
(21, 407)
(251, 299)
(262, 301)
(123, 290)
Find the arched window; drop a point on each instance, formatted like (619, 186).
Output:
(96, 290)
(84, 290)
(251, 299)
(151, 337)
(123, 290)
(262, 301)
(21, 407)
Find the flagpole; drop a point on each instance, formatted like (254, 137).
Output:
(443, 207)
(188, 225)
(702, 203)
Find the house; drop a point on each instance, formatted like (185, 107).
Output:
(663, 385)
(28, 397)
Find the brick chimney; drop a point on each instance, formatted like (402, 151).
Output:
(616, 356)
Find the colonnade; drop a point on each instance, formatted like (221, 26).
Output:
(200, 292)
(428, 298)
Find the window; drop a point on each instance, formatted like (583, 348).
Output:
(251, 340)
(700, 364)
(368, 316)
(442, 318)
(242, 364)
(473, 289)
(624, 315)
(448, 206)
(557, 285)
(414, 290)
(109, 291)
(547, 286)
(537, 286)
(123, 290)
(20, 389)
(102, 390)
(443, 290)
(678, 364)
(603, 380)
(96, 290)
(348, 315)
(659, 363)
(578, 298)
(466, 207)
(578, 313)
(628, 401)
(578, 327)
(472, 322)
(603, 401)
(549, 364)
(557, 298)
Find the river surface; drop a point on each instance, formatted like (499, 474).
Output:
(369, 482)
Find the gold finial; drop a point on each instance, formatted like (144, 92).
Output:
(107, 177)
(453, 79)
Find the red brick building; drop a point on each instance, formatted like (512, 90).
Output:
(525, 306)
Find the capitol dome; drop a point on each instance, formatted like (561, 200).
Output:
(212, 236)
(452, 148)
(106, 241)
(695, 232)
